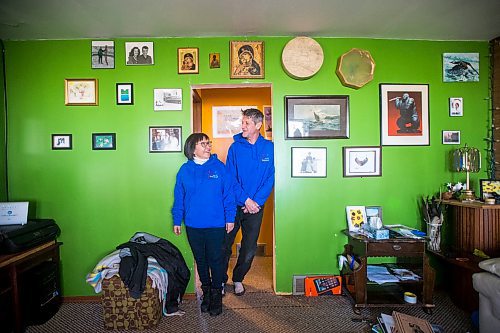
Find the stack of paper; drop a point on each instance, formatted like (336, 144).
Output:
(380, 274)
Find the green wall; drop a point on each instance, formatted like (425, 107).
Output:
(3, 162)
(100, 198)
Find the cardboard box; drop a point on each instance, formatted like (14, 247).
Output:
(323, 285)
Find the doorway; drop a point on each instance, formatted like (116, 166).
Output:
(214, 111)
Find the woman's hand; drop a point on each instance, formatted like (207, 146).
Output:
(177, 230)
(229, 227)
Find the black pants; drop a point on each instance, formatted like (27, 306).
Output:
(205, 244)
(250, 229)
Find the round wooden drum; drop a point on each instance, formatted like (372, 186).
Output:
(302, 57)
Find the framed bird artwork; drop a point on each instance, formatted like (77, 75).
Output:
(362, 161)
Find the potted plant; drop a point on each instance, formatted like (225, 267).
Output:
(452, 190)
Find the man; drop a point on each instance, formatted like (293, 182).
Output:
(408, 121)
(144, 58)
(250, 160)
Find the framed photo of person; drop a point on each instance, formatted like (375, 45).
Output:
(165, 139)
(187, 60)
(103, 54)
(62, 141)
(168, 99)
(308, 162)
(246, 60)
(139, 53)
(124, 93)
(214, 60)
(404, 114)
(103, 141)
(451, 137)
(456, 107)
(81, 92)
(362, 161)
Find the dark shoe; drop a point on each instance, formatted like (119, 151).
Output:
(205, 299)
(215, 302)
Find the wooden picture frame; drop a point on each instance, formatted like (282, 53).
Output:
(317, 117)
(81, 92)
(165, 139)
(451, 137)
(187, 60)
(62, 141)
(214, 60)
(404, 114)
(309, 162)
(362, 161)
(103, 141)
(246, 60)
(124, 94)
(103, 54)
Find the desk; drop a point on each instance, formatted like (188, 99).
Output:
(18, 263)
(410, 253)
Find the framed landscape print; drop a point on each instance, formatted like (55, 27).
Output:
(308, 162)
(103, 54)
(103, 141)
(168, 99)
(187, 60)
(404, 114)
(246, 60)
(124, 93)
(317, 117)
(62, 141)
(456, 107)
(165, 139)
(460, 67)
(139, 53)
(362, 161)
(226, 120)
(451, 137)
(80, 92)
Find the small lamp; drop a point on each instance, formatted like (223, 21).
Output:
(467, 159)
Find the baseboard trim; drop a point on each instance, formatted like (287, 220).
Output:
(97, 298)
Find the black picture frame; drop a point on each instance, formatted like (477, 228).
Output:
(103, 141)
(490, 188)
(62, 141)
(362, 161)
(317, 117)
(124, 94)
(165, 139)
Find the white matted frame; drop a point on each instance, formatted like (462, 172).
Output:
(124, 93)
(139, 53)
(456, 107)
(451, 137)
(309, 162)
(167, 99)
(226, 120)
(165, 139)
(62, 141)
(103, 54)
(362, 161)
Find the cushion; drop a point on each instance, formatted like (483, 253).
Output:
(491, 265)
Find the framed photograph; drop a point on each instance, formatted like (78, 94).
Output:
(460, 67)
(214, 60)
(456, 107)
(404, 114)
(80, 92)
(139, 53)
(103, 141)
(103, 54)
(125, 93)
(187, 60)
(165, 139)
(62, 141)
(168, 99)
(490, 188)
(226, 120)
(267, 110)
(451, 137)
(362, 161)
(317, 117)
(308, 162)
(246, 60)
(356, 217)
(374, 216)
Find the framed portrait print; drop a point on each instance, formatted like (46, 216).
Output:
(80, 92)
(167, 99)
(246, 60)
(124, 93)
(356, 217)
(214, 60)
(490, 188)
(308, 162)
(139, 53)
(267, 110)
(451, 137)
(456, 107)
(362, 161)
(317, 117)
(62, 141)
(165, 139)
(226, 120)
(103, 54)
(187, 60)
(103, 141)
(460, 67)
(404, 114)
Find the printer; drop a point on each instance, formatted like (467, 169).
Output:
(19, 237)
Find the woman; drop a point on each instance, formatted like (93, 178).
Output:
(204, 199)
(133, 56)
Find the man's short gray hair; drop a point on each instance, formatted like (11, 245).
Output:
(253, 114)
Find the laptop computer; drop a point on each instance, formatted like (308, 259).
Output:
(13, 213)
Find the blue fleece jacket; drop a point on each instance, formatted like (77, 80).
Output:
(252, 166)
(203, 195)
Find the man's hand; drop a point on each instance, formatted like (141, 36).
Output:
(229, 227)
(251, 206)
(177, 230)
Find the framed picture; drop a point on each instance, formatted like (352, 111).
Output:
(125, 93)
(490, 189)
(103, 141)
(456, 107)
(168, 99)
(80, 92)
(374, 216)
(460, 67)
(62, 141)
(267, 110)
(362, 161)
(308, 162)
(404, 114)
(187, 60)
(214, 60)
(356, 217)
(165, 139)
(139, 53)
(226, 120)
(451, 137)
(317, 117)
(246, 60)
(103, 54)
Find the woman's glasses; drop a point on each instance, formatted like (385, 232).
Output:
(204, 144)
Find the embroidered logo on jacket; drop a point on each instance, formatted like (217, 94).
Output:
(212, 174)
(265, 158)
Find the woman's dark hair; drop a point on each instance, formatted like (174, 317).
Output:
(191, 142)
(131, 53)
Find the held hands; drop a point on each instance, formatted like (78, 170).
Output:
(177, 230)
(251, 207)
(229, 227)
